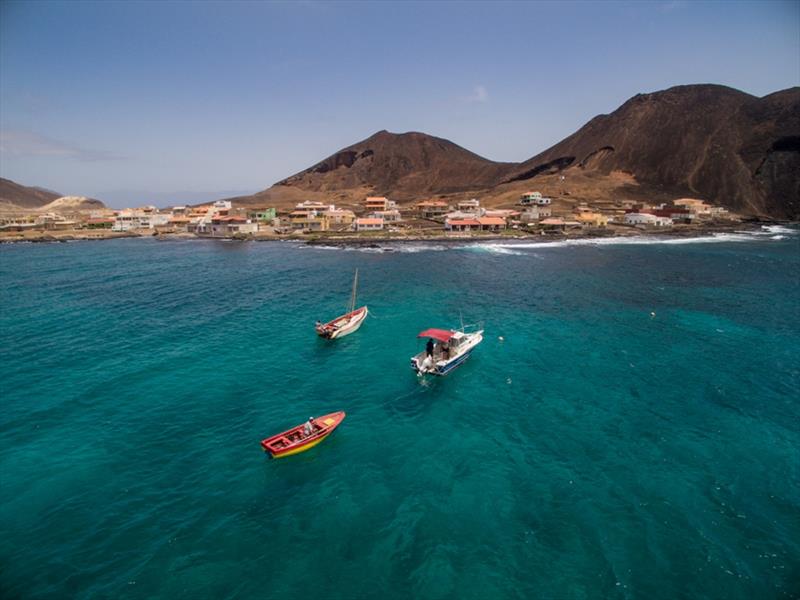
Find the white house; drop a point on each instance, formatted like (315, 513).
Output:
(534, 198)
(461, 214)
(535, 213)
(127, 220)
(389, 216)
(469, 206)
(157, 219)
(369, 224)
(462, 224)
(223, 226)
(647, 220)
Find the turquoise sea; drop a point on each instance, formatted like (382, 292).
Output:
(635, 434)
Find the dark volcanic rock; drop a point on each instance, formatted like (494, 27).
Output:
(405, 166)
(710, 141)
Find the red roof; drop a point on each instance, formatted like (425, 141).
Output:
(460, 222)
(491, 221)
(438, 334)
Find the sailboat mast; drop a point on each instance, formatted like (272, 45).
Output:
(353, 297)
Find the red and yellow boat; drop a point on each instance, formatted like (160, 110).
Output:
(295, 440)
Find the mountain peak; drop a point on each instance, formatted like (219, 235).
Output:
(407, 165)
(704, 140)
(20, 196)
(708, 140)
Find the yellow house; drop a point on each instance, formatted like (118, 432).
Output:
(695, 206)
(590, 218)
(340, 217)
(308, 220)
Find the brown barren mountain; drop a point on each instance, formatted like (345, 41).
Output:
(13, 195)
(404, 166)
(707, 141)
(16, 198)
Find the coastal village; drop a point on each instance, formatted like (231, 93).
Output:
(376, 217)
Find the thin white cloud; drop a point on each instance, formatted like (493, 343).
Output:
(479, 94)
(28, 143)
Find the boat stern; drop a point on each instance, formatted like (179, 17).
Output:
(422, 364)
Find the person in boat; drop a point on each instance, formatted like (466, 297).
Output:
(445, 351)
(308, 428)
(429, 347)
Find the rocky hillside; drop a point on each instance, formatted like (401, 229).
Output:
(13, 195)
(19, 198)
(406, 166)
(706, 141)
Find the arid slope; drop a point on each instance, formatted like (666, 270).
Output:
(707, 141)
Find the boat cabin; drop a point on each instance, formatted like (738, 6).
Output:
(444, 350)
(445, 343)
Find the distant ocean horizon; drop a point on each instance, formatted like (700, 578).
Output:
(627, 429)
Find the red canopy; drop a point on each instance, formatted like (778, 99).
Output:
(438, 334)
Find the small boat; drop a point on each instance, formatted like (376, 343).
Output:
(450, 348)
(295, 439)
(348, 322)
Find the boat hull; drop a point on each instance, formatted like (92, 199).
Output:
(344, 325)
(292, 441)
(454, 364)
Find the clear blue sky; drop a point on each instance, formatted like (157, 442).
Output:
(138, 101)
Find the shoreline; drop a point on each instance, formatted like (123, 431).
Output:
(62, 237)
(518, 236)
(373, 240)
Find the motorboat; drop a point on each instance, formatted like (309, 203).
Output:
(446, 349)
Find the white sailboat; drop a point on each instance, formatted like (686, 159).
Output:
(347, 323)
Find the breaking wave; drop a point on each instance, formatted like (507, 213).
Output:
(766, 233)
(779, 229)
(770, 232)
(403, 247)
